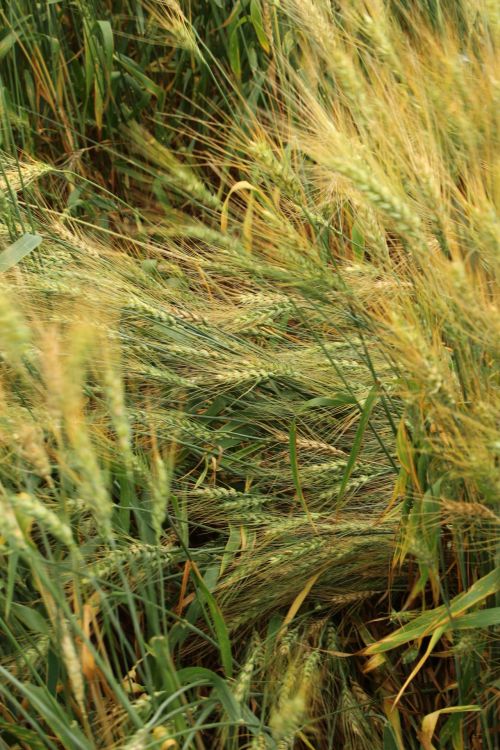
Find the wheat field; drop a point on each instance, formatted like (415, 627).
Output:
(249, 375)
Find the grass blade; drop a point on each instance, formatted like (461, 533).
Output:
(370, 402)
(18, 250)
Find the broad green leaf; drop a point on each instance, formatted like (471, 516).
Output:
(295, 470)
(221, 689)
(31, 618)
(358, 440)
(234, 49)
(167, 673)
(108, 44)
(7, 43)
(389, 738)
(483, 618)
(134, 70)
(257, 23)
(232, 546)
(44, 705)
(358, 242)
(18, 250)
(427, 622)
(221, 631)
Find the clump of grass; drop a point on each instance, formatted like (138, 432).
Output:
(249, 418)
